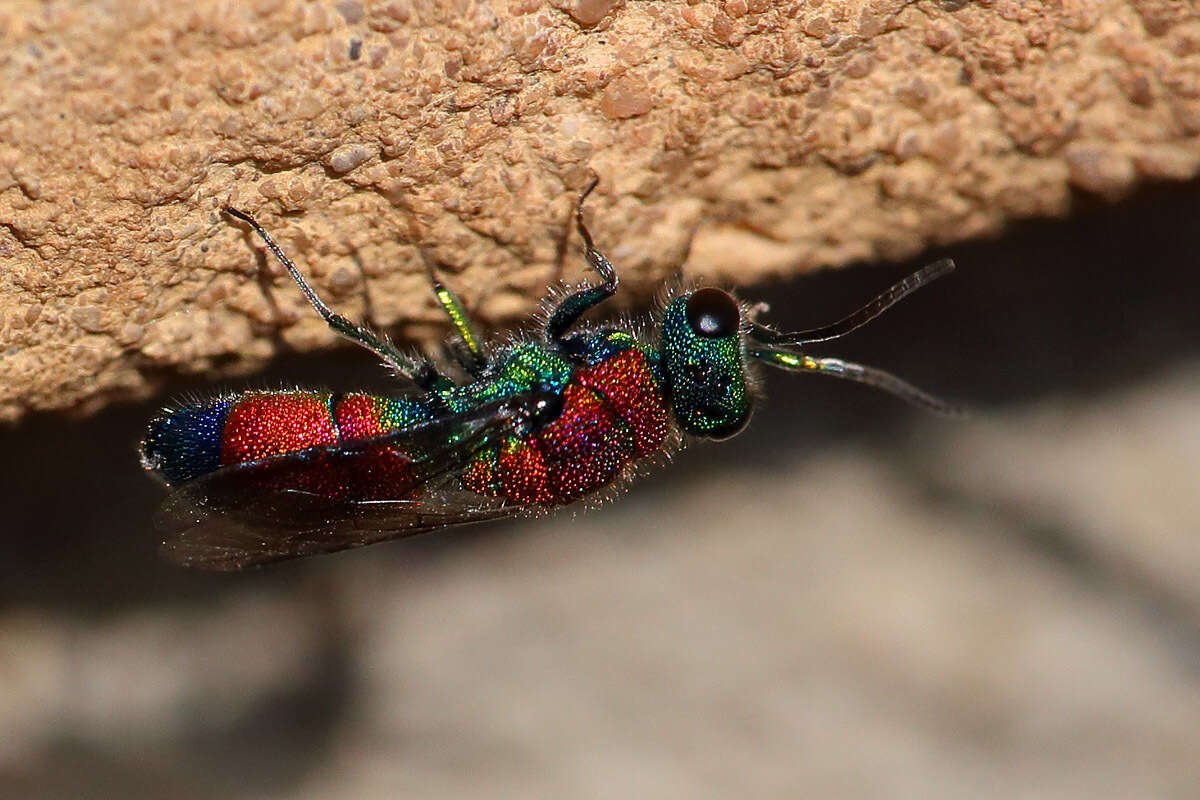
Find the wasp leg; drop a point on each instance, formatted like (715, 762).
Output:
(572, 307)
(419, 371)
(468, 350)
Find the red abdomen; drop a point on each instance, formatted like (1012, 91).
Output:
(200, 438)
(264, 425)
(613, 413)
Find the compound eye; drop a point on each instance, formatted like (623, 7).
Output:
(712, 313)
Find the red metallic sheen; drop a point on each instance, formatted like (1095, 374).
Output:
(612, 414)
(633, 394)
(524, 477)
(358, 417)
(383, 474)
(259, 426)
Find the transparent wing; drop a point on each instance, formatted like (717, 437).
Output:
(326, 499)
(233, 541)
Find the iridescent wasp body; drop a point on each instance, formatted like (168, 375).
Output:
(552, 419)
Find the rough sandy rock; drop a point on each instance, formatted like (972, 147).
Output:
(789, 135)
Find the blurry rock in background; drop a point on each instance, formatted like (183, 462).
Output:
(849, 600)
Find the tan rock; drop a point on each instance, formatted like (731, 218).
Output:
(802, 135)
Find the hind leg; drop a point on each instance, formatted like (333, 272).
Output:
(419, 371)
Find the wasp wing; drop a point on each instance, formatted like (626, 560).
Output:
(228, 542)
(326, 499)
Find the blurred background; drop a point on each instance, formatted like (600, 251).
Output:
(850, 600)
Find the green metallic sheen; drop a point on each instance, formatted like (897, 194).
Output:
(705, 377)
(525, 367)
(402, 412)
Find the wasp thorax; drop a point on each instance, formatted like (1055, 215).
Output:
(702, 360)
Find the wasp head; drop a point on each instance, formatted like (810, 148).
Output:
(703, 364)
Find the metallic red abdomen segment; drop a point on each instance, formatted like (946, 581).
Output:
(358, 417)
(270, 424)
(259, 426)
(380, 472)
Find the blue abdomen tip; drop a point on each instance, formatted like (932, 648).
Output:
(186, 443)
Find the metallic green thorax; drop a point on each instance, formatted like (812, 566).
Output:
(705, 375)
(527, 366)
